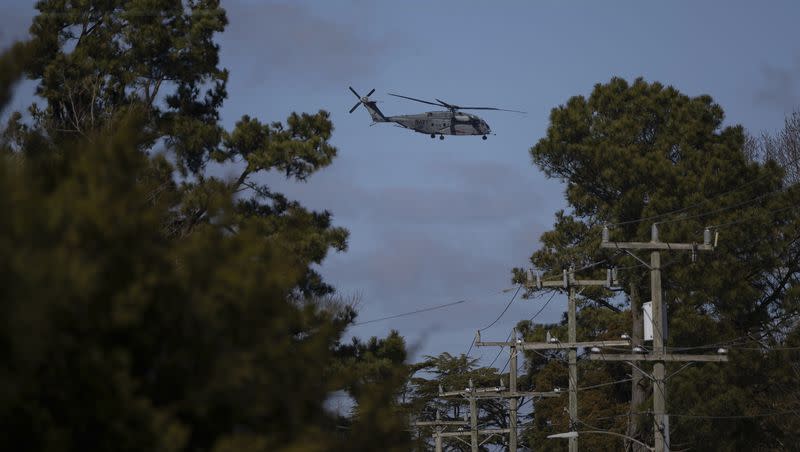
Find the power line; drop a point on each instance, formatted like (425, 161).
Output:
(732, 416)
(509, 335)
(500, 353)
(560, 275)
(700, 203)
(506, 364)
(543, 306)
(744, 220)
(504, 310)
(469, 350)
(703, 416)
(472, 344)
(531, 319)
(611, 383)
(768, 349)
(418, 311)
(723, 209)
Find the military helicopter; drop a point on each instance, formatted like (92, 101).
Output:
(450, 122)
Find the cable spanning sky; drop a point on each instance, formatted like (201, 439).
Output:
(435, 222)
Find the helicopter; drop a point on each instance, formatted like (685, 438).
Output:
(449, 122)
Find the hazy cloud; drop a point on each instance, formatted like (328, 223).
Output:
(462, 192)
(422, 243)
(408, 263)
(781, 86)
(15, 21)
(276, 40)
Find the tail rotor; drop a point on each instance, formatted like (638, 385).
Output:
(361, 100)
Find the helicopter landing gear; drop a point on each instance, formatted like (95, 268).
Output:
(433, 135)
(441, 137)
(483, 137)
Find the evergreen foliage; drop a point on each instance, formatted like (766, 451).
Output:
(95, 61)
(633, 154)
(146, 305)
(453, 373)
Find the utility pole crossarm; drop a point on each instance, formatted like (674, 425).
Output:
(572, 345)
(462, 393)
(548, 394)
(570, 283)
(650, 246)
(488, 431)
(439, 426)
(435, 423)
(568, 280)
(554, 345)
(498, 392)
(588, 282)
(494, 344)
(658, 357)
(509, 394)
(512, 394)
(477, 392)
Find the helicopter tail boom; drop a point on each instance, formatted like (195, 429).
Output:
(370, 105)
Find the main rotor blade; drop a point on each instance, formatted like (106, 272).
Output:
(450, 106)
(354, 92)
(458, 107)
(418, 100)
(370, 93)
(355, 106)
(491, 108)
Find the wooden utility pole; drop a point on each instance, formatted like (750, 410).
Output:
(513, 394)
(439, 426)
(569, 283)
(638, 393)
(658, 355)
(472, 394)
(473, 417)
(513, 402)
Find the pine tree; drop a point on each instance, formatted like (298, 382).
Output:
(143, 314)
(94, 61)
(453, 373)
(632, 154)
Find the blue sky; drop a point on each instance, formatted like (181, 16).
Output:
(435, 221)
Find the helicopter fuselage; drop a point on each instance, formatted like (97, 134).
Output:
(443, 123)
(452, 121)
